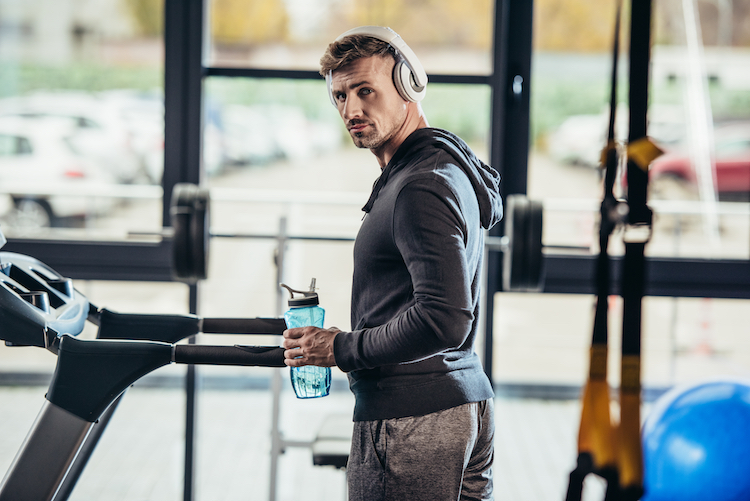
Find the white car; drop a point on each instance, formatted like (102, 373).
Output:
(142, 115)
(44, 177)
(102, 133)
(580, 139)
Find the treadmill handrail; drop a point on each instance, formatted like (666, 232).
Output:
(91, 373)
(173, 328)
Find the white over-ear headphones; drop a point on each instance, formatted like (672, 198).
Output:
(409, 76)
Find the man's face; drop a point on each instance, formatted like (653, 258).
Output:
(368, 102)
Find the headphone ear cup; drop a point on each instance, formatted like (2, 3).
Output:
(329, 77)
(402, 79)
(398, 79)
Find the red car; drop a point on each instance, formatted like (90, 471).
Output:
(732, 154)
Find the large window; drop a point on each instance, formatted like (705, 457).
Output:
(683, 340)
(449, 36)
(277, 154)
(699, 115)
(81, 117)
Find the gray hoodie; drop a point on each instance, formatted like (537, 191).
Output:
(415, 290)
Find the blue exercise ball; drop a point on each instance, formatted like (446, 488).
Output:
(696, 443)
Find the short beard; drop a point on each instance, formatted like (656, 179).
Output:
(370, 141)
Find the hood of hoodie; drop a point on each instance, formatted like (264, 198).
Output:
(484, 179)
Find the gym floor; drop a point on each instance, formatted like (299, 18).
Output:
(140, 456)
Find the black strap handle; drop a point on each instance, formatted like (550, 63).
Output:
(595, 429)
(258, 356)
(243, 326)
(636, 236)
(609, 217)
(174, 328)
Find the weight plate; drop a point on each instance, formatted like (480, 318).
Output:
(513, 256)
(534, 256)
(199, 233)
(189, 212)
(180, 215)
(523, 260)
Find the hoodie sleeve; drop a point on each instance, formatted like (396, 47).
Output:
(430, 233)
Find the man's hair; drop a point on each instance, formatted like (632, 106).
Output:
(343, 52)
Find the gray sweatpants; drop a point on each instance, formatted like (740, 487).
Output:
(446, 455)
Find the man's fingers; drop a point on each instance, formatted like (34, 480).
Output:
(293, 362)
(294, 354)
(293, 357)
(295, 333)
(290, 343)
(309, 346)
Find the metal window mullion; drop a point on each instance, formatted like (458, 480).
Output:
(509, 129)
(183, 80)
(183, 139)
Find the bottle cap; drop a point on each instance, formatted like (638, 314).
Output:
(309, 298)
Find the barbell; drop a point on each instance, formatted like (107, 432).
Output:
(521, 246)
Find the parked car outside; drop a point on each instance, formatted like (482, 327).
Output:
(262, 133)
(579, 139)
(142, 115)
(45, 178)
(675, 170)
(102, 133)
(6, 207)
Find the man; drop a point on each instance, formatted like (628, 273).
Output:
(423, 405)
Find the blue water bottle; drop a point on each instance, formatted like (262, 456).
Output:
(308, 381)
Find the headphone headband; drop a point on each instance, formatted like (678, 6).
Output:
(409, 76)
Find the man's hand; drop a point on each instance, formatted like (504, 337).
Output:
(309, 346)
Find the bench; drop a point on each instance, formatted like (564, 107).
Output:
(333, 441)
